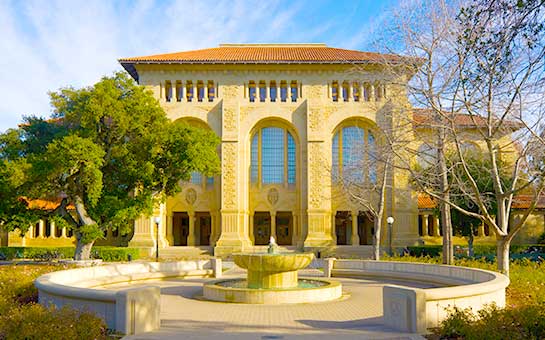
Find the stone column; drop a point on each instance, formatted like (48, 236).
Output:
(480, 230)
(372, 93)
(350, 95)
(273, 224)
(143, 233)
(333, 227)
(30, 232)
(267, 88)
(355, 236)
(41, 229)
(295, 229)
(173, 86)
(191, 236)
(52, 229)
(205, 91)
(278, 87)
(170, 228)
(195, 91)
(424, 224)
(251, 227)
(436, 226)
(63, 232)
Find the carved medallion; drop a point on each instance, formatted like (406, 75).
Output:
(272, 196)
(190, 196)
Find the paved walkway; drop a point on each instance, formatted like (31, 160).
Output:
(184, 315)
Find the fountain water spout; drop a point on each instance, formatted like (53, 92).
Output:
(273, 247)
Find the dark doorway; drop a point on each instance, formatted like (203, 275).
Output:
(342, 222)
(204, 226)
(262, 228)
(284, 228)
(180, 228)
(366, 229)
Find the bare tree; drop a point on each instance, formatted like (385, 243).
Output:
(364, 176)
(481, 70)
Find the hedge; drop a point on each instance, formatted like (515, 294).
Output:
(488, 251)
(108, 254)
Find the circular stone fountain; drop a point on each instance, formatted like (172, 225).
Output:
(272, 279)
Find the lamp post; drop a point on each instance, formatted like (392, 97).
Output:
(390, 221)
(157, 220)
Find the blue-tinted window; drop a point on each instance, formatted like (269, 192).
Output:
(291, 159)
(372, 152)
(272, 155)
(209, 181)
(254, 159)
(196, 178)
(353, 151)
(273, 91)
(335, 157)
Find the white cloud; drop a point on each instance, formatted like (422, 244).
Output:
(46, 45)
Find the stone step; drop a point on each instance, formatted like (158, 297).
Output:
(184, 252)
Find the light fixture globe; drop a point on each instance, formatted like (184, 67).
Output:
(390, 220)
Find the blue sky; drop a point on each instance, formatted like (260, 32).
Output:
(47, 45)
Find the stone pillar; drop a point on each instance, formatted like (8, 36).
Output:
(355, 237)
(170, 228)
(195, 90)
(52, 230)
(30, 232)
(267, 88)
(234, 219)
(480, 230)
(251, 227)
(216, 267)
(278, 87)
(424, 224)
(295, 229)
(173, 87)
(361, 92)
(350, 95)
(205, 91)
(333, 227)
(372, 92)
(191, 236)
(436, 226)
(63, 232)
(143, 233)
(41, 229)
(273, 224)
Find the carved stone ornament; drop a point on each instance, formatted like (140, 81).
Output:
(190, 196)
(272, 196)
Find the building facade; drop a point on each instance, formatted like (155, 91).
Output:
(290, 117)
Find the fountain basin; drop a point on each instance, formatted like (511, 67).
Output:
(273, 271)
(311, 290)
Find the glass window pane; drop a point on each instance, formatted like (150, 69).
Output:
(372, 157)
(209, 181)
(254, 159)
(335, 157)
(196, 178)
(353, 151)
(291, 159)
(272, 155)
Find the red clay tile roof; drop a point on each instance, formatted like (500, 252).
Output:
(426, 202)
(423, 117)
(45, 204)
(523, 202)
(262, 54)
(267, 53)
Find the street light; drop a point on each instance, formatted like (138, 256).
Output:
(157, 220)
(390, 221)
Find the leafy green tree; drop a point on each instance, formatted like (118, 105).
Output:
(109, 154)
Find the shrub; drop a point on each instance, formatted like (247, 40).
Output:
(526, 322)
(112, 254)
(430, 250)
(109, 254)
(22, 318)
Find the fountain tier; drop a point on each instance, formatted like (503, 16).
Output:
(273, 271)
(272, 279)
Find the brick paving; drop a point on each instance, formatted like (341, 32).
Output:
(184, 315)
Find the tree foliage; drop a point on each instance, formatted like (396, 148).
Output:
(108, 154)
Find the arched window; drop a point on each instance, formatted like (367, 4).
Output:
(353, 154)
(272, 156)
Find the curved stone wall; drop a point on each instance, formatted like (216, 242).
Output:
(129, 311)
(414, 309)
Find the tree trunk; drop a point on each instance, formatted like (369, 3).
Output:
(83, 250)
(502, 254)
(470, 239)
(446, 220)
(376, 239)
